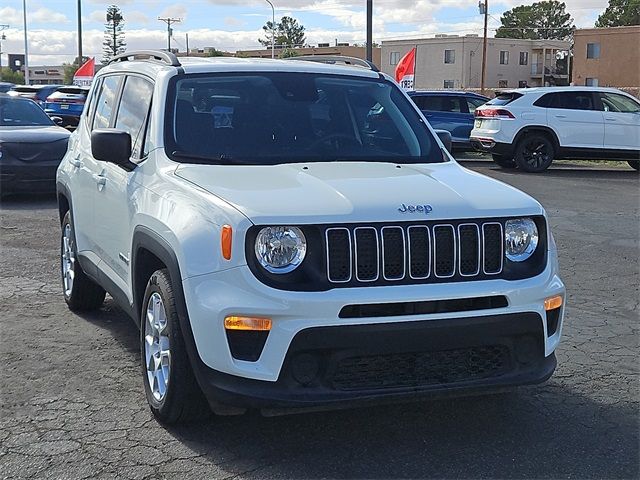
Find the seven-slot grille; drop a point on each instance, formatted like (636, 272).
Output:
(414, 253)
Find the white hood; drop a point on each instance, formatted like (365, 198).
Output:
(353, 192)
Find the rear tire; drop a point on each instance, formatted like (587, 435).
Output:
(170, 386)
(504, 161)
(534, 153)
(635, 164)
(80, 292)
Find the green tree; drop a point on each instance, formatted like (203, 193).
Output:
(288, 53)
(8, 75)
(214, 52)
(288, 33)
(620, 13)
(113, 43)
(541, 20)
(70, 69)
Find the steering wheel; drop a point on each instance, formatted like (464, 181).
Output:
(334, 140)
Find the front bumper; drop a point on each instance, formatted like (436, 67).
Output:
(307, 331)
(369, 364)
(23, 177)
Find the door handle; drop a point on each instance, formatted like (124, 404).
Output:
(101, 180)
(561, 116)
(609, 119)
(76, 162)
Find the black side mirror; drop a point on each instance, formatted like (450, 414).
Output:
(445, 138)
(58, 121)
(110, 145)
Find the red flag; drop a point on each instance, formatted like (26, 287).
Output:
(84, 75)
(406, 69)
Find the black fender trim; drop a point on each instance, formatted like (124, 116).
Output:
(62, 190)
(538, 128)
(147, 239)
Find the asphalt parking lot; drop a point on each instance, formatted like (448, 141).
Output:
(72, 403)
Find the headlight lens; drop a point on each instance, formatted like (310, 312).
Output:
(280, 249)
(521, 239)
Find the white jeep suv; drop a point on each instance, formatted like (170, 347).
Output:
(292, 234)
(529, 127)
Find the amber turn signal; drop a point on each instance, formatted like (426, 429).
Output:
(247, 323)
(553, 302)
(226, 237)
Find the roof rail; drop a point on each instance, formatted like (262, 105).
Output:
(154, 55)
(338, 60)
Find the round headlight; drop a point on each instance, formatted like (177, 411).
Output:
(280, 249)
(521, 239)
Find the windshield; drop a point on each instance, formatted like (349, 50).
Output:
(274, 118)
(19, 112)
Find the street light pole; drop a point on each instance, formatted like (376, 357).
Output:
(370, 30)
(80, 32)
(484, 46)
(273, 29)
(26, 43)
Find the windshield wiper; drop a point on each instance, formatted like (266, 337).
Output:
(211, 160)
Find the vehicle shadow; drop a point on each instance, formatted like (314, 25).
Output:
(545, 431)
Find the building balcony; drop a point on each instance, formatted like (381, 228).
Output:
(538, 69)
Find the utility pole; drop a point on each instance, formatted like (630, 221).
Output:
(2, 37)
(80, 32)
(370, 30)
(169, 21)
(273, 30)
(26, 43)
(484, 8)
(186, 36)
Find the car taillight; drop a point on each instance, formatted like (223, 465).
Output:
(50, 99)
(494, 113)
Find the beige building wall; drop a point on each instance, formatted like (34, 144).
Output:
(465, 71)
(347, 51)
(618, 64)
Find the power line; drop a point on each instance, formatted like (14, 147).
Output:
(169, 21)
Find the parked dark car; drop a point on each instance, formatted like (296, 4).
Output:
(67, 103)
(31, 147)
(452, 111)
(6, 86)
(37, 93)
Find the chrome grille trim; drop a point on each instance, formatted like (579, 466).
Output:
(326, 237)
(355, 249)
(499, 271)
(435, 251)
(475, 225)
(404, 254)
(429, 250)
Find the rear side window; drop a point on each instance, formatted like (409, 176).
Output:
(438, 103)
(106, 101)
(473, 103)
(567, 101)
(133, 110)
(614, 102)
(504, 98)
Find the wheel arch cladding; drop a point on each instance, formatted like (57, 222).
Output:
(64, 201)
(539, 129)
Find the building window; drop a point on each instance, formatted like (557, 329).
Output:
(449, 84)
(524, 58)
(449, 56)
(591, 82)
(504, 57)
(523, 84)
(394, 58)
(593, 50)
(503, 83)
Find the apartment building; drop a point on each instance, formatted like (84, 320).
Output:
(452, 61)
(343, 49)
(607, 57)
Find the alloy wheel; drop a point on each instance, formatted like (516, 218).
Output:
(68, 260)
(157, 350)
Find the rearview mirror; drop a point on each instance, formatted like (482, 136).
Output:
(57, 120)
(111, 145)
(445, 138)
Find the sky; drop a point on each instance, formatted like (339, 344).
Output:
(237, 24)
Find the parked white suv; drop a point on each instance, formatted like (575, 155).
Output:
(292, 234)
(530, 127)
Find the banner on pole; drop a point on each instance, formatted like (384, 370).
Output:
(84, 75)
(406, 70)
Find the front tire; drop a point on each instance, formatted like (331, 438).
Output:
(534, 153)
(503, 161)
(169, 383)
(80, 292)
